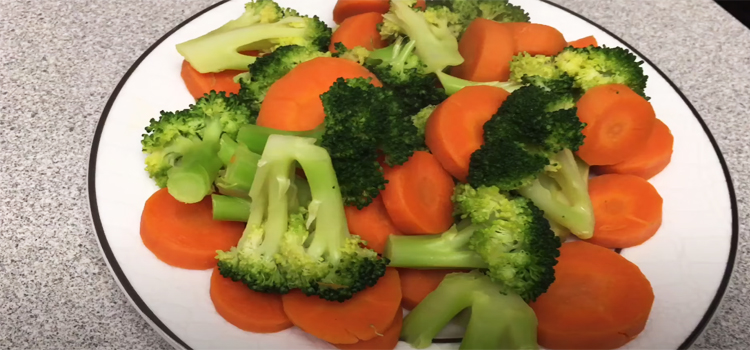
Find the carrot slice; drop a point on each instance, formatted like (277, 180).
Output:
(618, 124)
(199, 84)
(348, 8)
(416, 284)
(584, 42)
(359, 30)
(599, 300)
(369, 313)
(455, 129)
(536, 39)
(246, 309)
(293, 102)
(387, 341)
(487, 48)
(418, 195)
(627, 209)
(372, 224)
(185, 235)
(651, 160)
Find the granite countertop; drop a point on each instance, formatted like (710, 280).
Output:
(62, 59)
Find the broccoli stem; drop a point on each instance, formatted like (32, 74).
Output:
(192, 179)
(576, 212)
(395, 54)
(202, 52)
(453, 84)
(255, 137)
(437, 48)
(270, 192)
(226, 208)
(227, 147)
(498, 320)
(237, 179)
(327, 206)
(446, 250)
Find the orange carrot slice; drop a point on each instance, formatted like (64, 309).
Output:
(649, 161)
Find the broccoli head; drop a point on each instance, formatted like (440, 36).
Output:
(175, 134)
(420, 119)
(581, 69)
(499, 319)
(404, 73)
(268, 69)
(505, 234)
(285, 247)
(494, 10)
(266, 27)
(529, 145)
(594, 66)
(435, 43)
(361, 120)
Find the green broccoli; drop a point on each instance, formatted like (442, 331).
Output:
(402, 72)
(357, 54)
(498, 319)
(268, 69)
(587, 67)
(435, 43)
(505, 234)
(529, 145)
(420, 119)
(264, 26)
(277, 252)
(171, 139)
(494, 10)
(453, 84)
(361, 120)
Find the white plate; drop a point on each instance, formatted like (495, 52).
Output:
(689, 261)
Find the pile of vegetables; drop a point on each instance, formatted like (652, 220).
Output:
(450, 158)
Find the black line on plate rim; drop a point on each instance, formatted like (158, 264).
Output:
(114, 265)
(730, 187)
(148, 313)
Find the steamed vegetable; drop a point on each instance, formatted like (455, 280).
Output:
(277, 253)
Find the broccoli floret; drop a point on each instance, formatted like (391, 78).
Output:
(494, 10)
(583, 68)
(402, 72)
(360, 120)
(507, 235)
(220, 50)
(176, 134)
(356, 54)
(594, 66)
(279, 251)
(529, 145)
(268, 69)
(420, 119)
(498, 319)
(435, 43)
(256, 12)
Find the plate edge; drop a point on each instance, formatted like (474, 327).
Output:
(109, 258)
(732, 258)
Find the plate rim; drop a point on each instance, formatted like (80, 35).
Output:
(172, 339)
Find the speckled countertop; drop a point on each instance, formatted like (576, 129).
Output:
(61, 60)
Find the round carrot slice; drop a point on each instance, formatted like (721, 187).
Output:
(455, 129)
(487, 48)
(246, 309)
(536, 39)
(293, 102)
(185, 235)
(651, 160)
(599, 300)
(418, 195)
(387, 341)
(364, 316)
(627, 210)
(359, 30)
(372, 224)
